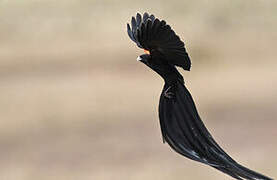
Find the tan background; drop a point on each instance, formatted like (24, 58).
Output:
(75, 103)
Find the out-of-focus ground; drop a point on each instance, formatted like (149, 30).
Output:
(75, 103)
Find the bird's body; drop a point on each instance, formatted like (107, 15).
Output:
(181, 125)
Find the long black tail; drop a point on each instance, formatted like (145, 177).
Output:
(183, 129)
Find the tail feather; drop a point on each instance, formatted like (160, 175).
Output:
(230, 173)
(183, 129)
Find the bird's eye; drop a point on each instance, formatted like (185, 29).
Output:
(146, 51)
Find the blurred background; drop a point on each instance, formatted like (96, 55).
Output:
(75, 103)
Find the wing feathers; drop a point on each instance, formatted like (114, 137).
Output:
(134, 25)
(148, 29)
(155, 27)
(138, 18)
(152, 17)
(145, 16)
(152, 34)
(130, 33)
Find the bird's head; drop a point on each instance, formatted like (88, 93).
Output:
(144, 58)
(154, 60)
(160, 43)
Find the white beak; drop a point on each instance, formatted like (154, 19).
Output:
(139, 58)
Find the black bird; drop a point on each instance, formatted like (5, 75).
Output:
(181, 125)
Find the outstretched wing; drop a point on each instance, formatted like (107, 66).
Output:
(184, 131)
(152, 34)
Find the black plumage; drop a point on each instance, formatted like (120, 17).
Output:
(181, 125)
(154, 35)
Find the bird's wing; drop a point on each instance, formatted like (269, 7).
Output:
(152, 34)
(184, 131)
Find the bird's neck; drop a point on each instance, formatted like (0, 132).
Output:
(169, 73)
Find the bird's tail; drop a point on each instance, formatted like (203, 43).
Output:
(184, 131)
(240, 172)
